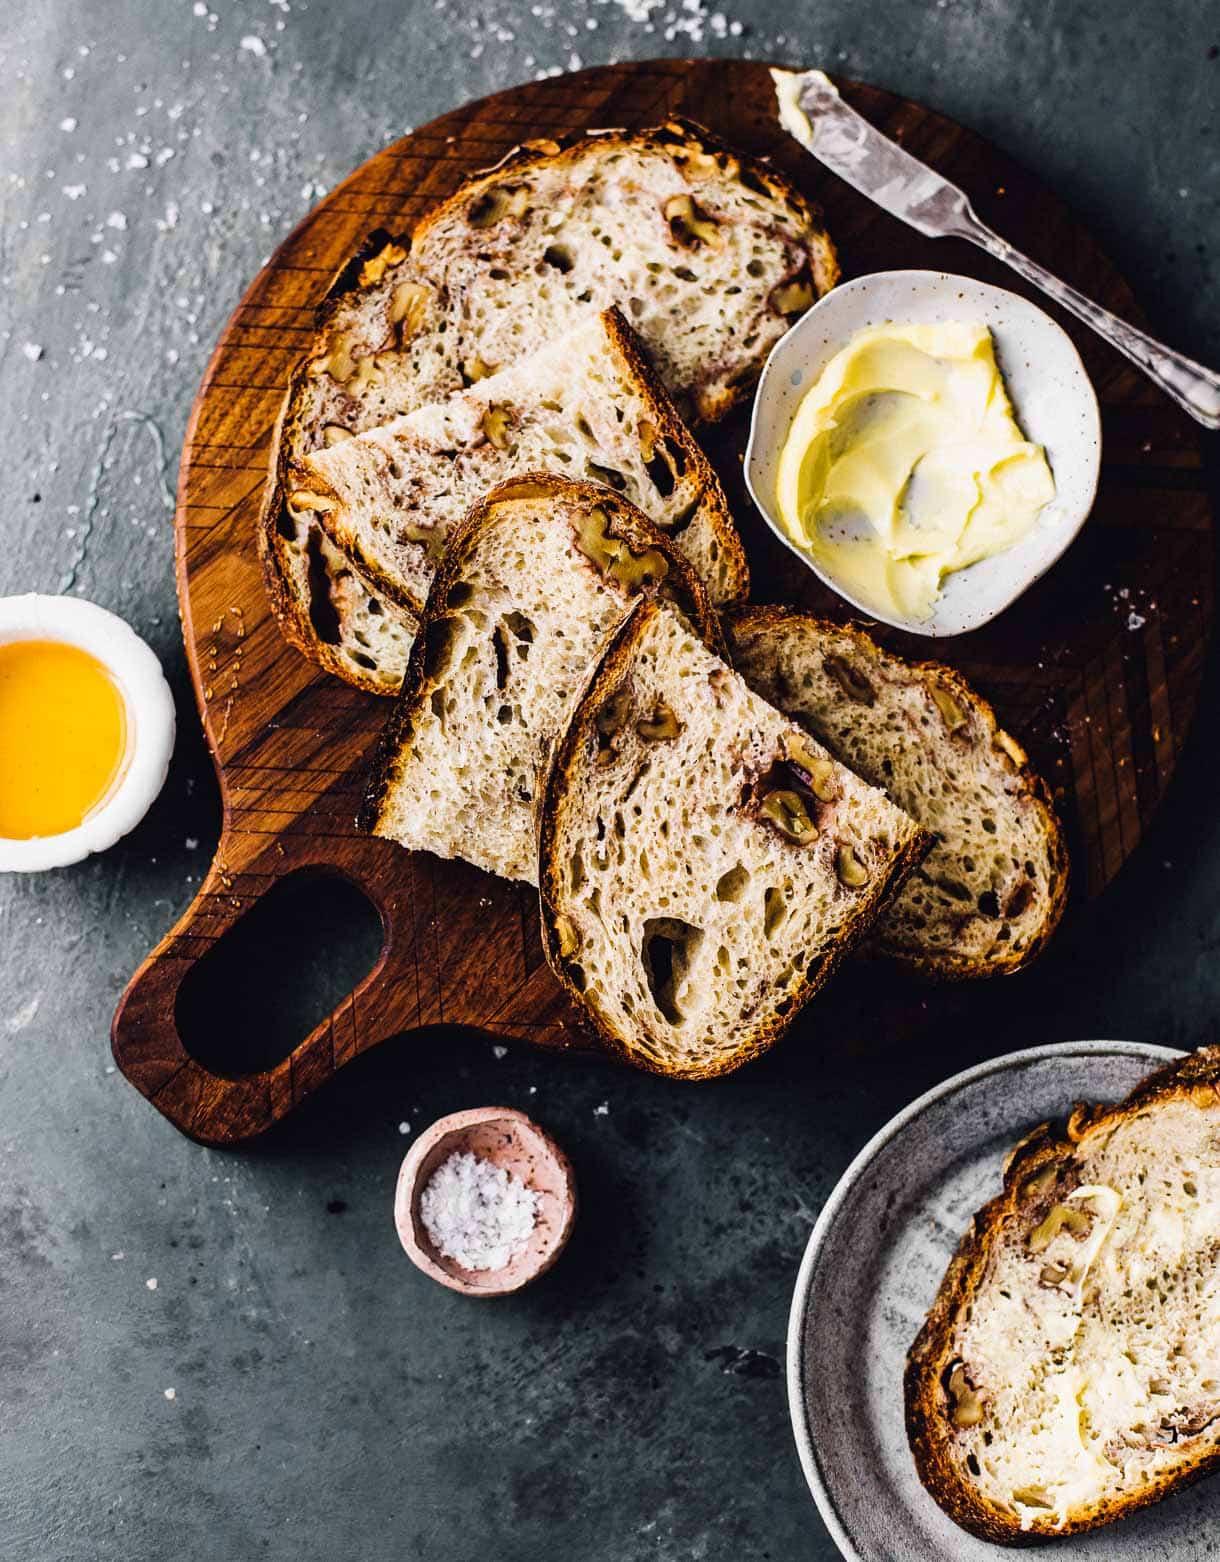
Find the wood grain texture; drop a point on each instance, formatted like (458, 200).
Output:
(1096, 669)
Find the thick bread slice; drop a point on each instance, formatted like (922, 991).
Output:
(703, 863)
(1069, 1371)
(991, 891)
(585, 406)
(532, 582)
(709, 255)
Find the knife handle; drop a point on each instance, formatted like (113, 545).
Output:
(1193, 387)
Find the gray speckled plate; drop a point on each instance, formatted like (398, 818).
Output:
(872, 1267)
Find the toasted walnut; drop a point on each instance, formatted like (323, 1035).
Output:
(474, 370)
(850, 869)
(816, 769)
(495, 204)
(614, 558)
(428, 538)
(1041, 1182)
(792, 298)
(566, 937)
(340, 361)
(611, 718)
(495, 426)
(408, 304)
(376, 266)
(368, 372)
(302, 499)
(1052, 1276)
(853, 682)
(786, 810)
(1061, 1218)
(660, 726)
(954, 715)
(967, 1404)
(688, 222)
(1010, 747)
(335, 434)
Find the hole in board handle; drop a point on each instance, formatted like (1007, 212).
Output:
(278, 972)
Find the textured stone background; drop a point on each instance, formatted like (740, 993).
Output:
(328, 1402)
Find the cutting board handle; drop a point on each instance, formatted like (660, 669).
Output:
(219, 1109)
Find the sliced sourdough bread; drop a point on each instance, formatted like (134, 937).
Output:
(585, 406)
(990, 893)
(709, 255)
(1069, 1370)
(532, 582)
(703, 863)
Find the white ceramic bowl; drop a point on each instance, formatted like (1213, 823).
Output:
(1052, 395)
(150, 723)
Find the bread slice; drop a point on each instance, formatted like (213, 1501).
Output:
(585, 406)
(703, 863)
(532, 582)
(1069, 1370)
(990, 893)
(709, 255)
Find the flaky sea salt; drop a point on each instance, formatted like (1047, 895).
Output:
(476, 1212)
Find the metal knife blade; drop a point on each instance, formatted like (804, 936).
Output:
(811, 110)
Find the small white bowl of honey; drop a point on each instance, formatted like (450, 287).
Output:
(86, 731)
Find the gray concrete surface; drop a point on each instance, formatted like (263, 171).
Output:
(327, 1401)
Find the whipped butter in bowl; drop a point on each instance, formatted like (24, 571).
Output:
(86, 731)
(927, 444)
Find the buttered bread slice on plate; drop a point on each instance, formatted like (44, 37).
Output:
(990, 893)
(1069, 1371)
(585, 406)
(532, 582)
(703, 862)
(709, 255)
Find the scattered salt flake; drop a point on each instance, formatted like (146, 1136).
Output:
(108, 257)
(32, 350)
(499, 1052)
(151, 1283)
(67, 125)
(191, 843)
(199, 8)
(115, 1257)
(404, 1127)
(171, 1393)
(137, 160)
(74, 191)
(1135, 620)
(603, 1110)
(254, 45)
(117, 220)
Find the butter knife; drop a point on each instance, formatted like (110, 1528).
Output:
(811, 110)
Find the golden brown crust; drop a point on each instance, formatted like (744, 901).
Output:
(677, 136)
(947, 966)
(1194, 1078)
(625, 522)
(566, 757)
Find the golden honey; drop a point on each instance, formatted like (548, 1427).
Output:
(63, 737)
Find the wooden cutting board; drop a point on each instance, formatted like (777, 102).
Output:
(1096, 669)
